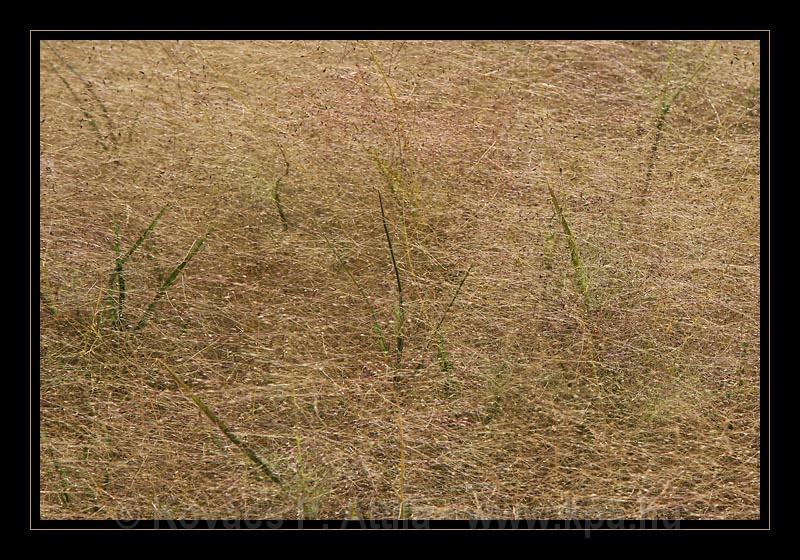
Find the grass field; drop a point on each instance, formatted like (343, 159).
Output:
(447, 279)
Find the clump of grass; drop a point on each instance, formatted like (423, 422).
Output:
(224, 428)
(664, 106)
(581, 277)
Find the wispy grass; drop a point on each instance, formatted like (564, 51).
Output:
(305, 484)
(666, 101)
(376, 325)
(64, 495)
(89, 88)
(497, 386)
(403, 195)
(224, 428)
(443, 357)
(271, 325)
(379, 68)
(45, 290)
(440, 322)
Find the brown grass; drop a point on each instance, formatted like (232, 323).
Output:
(529, 403)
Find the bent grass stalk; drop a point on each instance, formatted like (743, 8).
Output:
(400, 193)
(224, 428)
(119, 274)
(276, 196)
(452, 301)
(171, 280)
(276, 192)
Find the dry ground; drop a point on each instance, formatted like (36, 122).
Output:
(641, 400)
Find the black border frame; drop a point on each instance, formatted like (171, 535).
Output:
(38, 33)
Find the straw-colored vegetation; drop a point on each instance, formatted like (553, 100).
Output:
(399, 279)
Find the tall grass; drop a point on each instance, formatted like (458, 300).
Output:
(581, 276)
(119, 275)
(402, 194)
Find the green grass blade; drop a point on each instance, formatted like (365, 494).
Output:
(400, 312)
(145, 234)
(171, 280)
(452, 301)
(224, 428)
(581, 277)
(119, 273)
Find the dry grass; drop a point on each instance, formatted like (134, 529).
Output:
(528, 402)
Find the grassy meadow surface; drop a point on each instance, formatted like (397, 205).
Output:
(566, 323)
